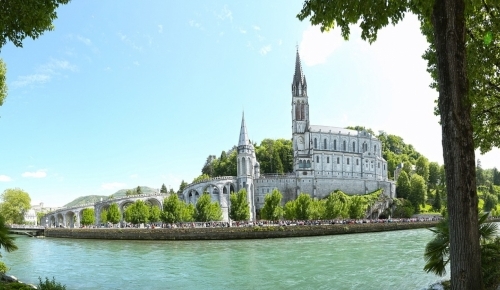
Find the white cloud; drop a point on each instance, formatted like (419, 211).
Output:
(242, 31)
(4, 178)
(113, 185)
(35, 174)
(265, 49)
(256, 27)
(23, 81)
(45, 73)
(316, 46)
(225, 14)
(195, 24)
(84, 40)
(125, 39)
(160, 28)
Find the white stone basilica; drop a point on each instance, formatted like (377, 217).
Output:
(325, 159)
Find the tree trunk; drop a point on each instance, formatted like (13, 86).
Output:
(448, 19)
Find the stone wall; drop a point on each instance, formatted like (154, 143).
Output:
(233, 233)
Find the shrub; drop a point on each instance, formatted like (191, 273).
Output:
(3, 268)
(50, 285)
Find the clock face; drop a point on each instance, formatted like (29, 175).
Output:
(301, 140)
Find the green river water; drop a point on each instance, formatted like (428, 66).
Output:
(387, 260)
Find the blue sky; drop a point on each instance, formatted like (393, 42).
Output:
(141, 93)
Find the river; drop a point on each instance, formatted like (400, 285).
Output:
(386, 260)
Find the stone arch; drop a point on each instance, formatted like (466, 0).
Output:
(52, 221)
(153, 202)
(59, 220)
(70, 219)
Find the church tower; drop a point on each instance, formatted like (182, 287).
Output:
(247, 167)
(300, 120)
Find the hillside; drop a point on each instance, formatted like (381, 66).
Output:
(95, 198)
(85, 200)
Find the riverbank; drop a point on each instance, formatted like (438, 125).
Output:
(232, 233)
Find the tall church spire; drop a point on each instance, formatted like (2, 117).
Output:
(299, 84)
(243, 133)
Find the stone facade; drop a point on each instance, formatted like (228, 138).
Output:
(325, 159)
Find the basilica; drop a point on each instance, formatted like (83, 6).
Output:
(325, 159)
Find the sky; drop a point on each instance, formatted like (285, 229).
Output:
(141, 93)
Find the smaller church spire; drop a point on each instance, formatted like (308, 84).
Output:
(243, 133)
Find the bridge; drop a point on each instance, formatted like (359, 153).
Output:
(32, 231)
(219, 189)
(70, 217)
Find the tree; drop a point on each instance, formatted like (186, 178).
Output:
(437, 251)
(302, 206)
(240, 209)
(104, 216)
(88, 217)
(403, 187)
(433, 174)
(317, 209)
(154, 214)
(272, 209)
(357, 207)
(480, 178)
(418, 191)
(130, 192)
(422, 168)
(337, 205)
(490, 202)
(3, 81)
(114, 215)
(6, 240)
(19, 20)
(182, 186)
(496, 176)
(289, 210)
(436, 205)
(137, 213)
(15, 202)
(138, 190)
(206, 210)
(163, 188)
(188, 213)
(172, 209)
(445, 22)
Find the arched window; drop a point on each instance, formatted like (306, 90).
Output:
(315, 143)
(334, 144)
(344, 147)
(375, 149)
(308, 163)
(338, 160)
(243, 166)
(300, 164)
(357, 161)
(302, 112)
(327, 159)
(297, 111)
(324, 144)
(317, 159)
(353, 146)
(347, 161)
